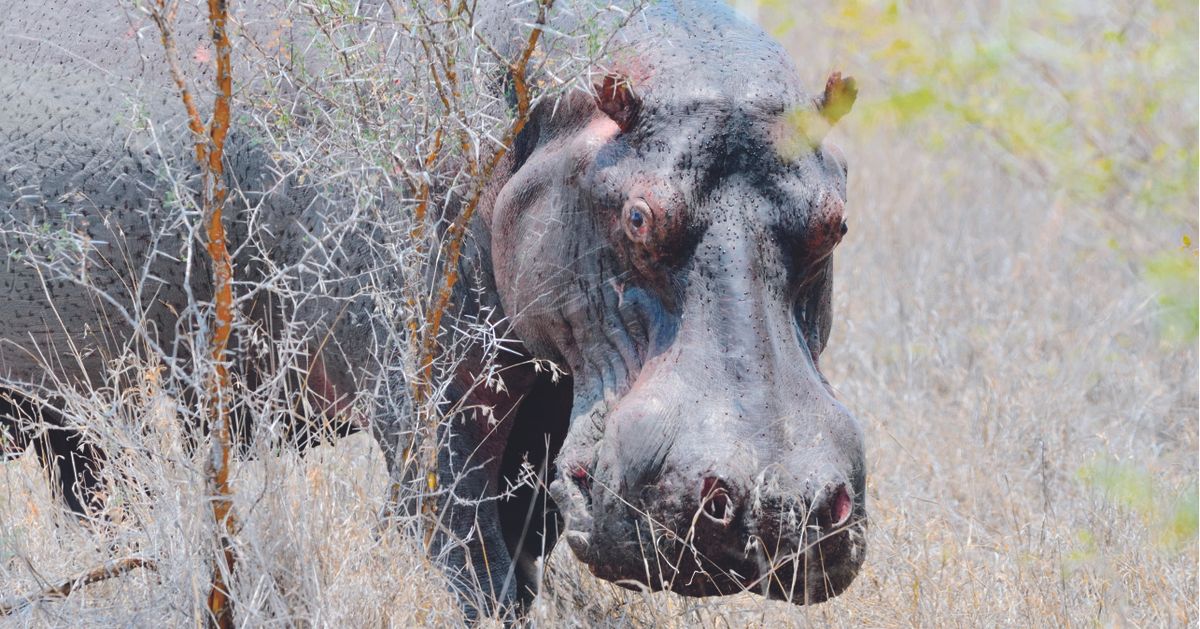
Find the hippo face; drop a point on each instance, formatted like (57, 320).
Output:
(672, 252)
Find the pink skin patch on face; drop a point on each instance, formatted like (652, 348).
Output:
(580, 475)
(826, 224)
(600, 131)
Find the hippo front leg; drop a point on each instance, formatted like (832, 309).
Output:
(472, 542)
(71, 463)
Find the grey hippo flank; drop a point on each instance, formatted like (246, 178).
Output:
(696, 445)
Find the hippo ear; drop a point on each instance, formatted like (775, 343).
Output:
(615, 97)
(838, 98)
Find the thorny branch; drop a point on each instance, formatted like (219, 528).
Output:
(456, 232)
(219, 604)
(209, 152)
(164, 16)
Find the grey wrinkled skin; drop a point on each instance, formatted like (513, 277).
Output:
(653, 240)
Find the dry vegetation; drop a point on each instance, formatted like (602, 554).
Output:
(1016, 306)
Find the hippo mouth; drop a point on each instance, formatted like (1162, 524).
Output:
(798, 557)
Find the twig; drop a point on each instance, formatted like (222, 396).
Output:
(62, 590)
(164, 17)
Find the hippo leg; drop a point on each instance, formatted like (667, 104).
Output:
(472, 542)
(490, 539)
(529, 519)
(14, 423)
(475, 542)
(71, 463)
(468, 543)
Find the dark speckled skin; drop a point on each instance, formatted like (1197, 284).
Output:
(657, 243)
(72, 172)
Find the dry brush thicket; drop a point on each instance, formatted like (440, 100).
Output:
(1008, 329)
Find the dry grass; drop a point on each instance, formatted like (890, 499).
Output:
(1030, 433)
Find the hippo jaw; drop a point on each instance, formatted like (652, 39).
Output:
(817, 567)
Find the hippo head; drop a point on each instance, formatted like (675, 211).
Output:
(669, 242)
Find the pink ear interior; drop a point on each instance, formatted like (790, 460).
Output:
(616, 99)
(838, 97)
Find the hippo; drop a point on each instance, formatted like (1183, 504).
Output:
(666, 241)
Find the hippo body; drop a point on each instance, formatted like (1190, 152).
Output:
(93, 150)
(653, 239)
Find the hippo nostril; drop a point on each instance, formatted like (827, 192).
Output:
(714, 500)
(840, 506)
(581, 478)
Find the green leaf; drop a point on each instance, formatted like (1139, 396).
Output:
(1174, 277)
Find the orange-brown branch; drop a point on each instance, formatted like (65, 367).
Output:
(457, 231)
(165, 20)
(219, 604)
(209, 152)
(64, 589)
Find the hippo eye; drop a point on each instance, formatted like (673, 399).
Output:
(637, 220)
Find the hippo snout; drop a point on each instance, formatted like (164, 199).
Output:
(718, 513)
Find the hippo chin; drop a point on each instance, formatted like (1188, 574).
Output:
(667, 240)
